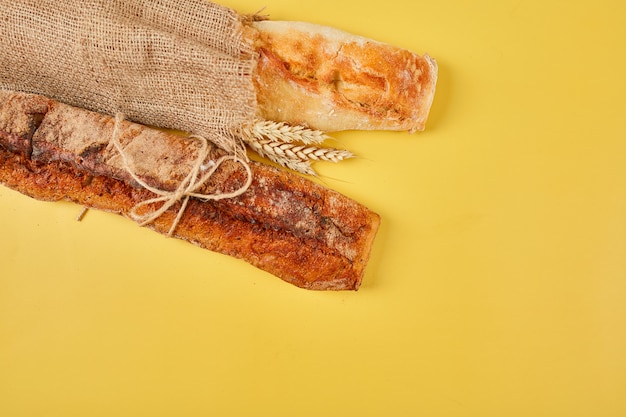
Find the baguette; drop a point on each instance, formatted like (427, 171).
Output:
(202, 68)
(330, 80)
(301, 232)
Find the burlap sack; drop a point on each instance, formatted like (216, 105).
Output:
(180, 64)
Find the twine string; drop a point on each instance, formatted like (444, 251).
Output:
(197, 177)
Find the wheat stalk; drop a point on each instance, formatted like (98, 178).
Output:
(294, 164)
(283, 132)
(290, 146)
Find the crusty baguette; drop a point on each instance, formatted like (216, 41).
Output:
(303, 233)
(205, 69)
(331, 80)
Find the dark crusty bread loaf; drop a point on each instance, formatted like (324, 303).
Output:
(303, 233)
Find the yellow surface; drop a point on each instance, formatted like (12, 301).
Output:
(497, 285)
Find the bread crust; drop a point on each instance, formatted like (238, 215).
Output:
(303, 233)
(331, 80)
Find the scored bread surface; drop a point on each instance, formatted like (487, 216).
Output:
(332, 80)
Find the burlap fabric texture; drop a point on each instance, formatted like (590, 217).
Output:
(179, 64)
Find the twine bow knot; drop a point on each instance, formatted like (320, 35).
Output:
(198, 176)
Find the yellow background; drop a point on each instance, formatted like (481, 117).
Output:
(497, 284)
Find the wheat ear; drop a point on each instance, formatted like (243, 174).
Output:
(290, 146)
(283, 132)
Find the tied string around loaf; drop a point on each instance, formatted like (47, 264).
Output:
(198, 176)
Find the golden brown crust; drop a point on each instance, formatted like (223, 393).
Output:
(331, 80)
(297, 230)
